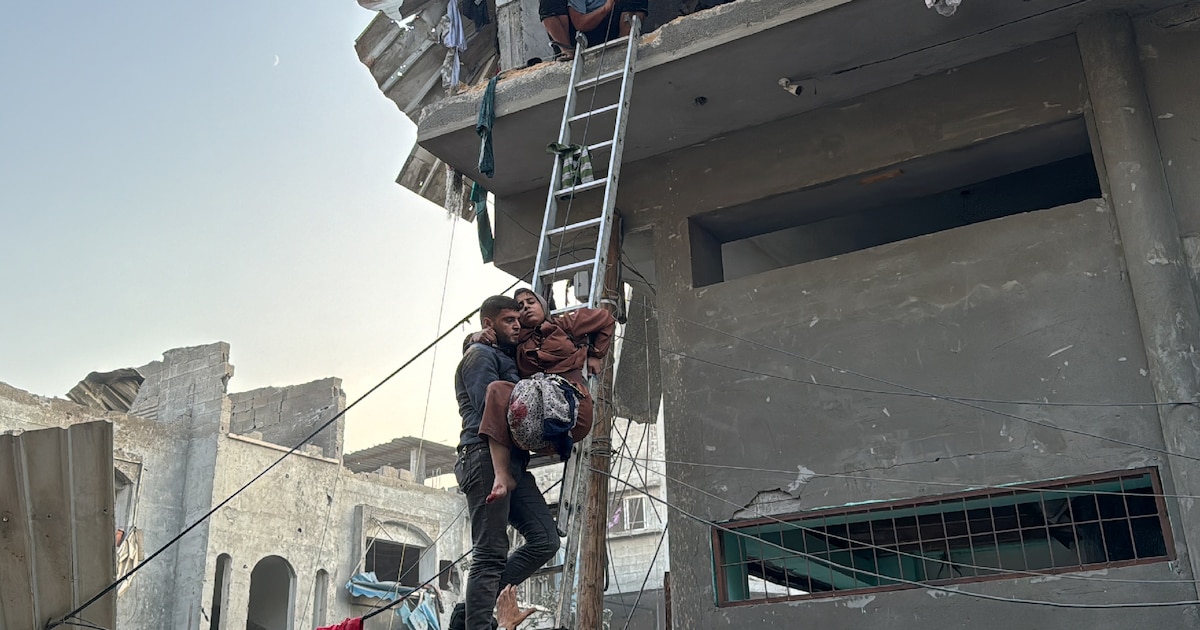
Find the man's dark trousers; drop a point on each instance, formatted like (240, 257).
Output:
(524, 508)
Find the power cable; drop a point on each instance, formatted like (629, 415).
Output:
(653, 561)
(857, 543)
(433, 359)
(961, 486)
(55, 623)
(943, 589)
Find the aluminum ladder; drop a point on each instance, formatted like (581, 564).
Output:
(548, 267)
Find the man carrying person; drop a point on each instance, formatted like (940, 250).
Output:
(492, 567)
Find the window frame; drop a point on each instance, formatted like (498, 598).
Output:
(719, 564)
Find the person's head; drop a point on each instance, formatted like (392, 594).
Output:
(533, 308)
(501, 313)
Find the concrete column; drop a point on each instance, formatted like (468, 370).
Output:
(416, 464)
(1154, 254)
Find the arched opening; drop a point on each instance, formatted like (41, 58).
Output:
(272, 595)
(220, 597)
(320, 598)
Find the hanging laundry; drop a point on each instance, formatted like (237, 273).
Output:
(476, 11)
(576, 163)
(483, 127)
(349, 624)
(419, 617)
(483, 224)
(455, 39)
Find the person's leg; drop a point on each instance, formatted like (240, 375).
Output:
(553, 14)
(530, 515)
(629, 8)
(489, 538)
(494, 428)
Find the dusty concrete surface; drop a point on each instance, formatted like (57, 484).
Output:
(176, 447)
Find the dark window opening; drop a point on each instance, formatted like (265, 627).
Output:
(394, 562)
(1089, 523)
(1021, 172)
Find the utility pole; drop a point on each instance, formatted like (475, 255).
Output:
(593, 549)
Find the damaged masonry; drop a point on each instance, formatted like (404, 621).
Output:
(946, 274)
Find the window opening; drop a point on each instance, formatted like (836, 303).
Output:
(272, 595)
(320, 598)
(220, 597)
(1094, 522)
(394, 562)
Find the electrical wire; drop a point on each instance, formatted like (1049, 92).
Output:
(957, 485)
(433, 359)
(858, 543)
(650, 569)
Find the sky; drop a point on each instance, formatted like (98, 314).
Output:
(180, 173)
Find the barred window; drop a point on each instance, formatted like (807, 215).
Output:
(1099, 521)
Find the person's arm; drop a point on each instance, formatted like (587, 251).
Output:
(589, 21)
(594, 324)
(478, 371)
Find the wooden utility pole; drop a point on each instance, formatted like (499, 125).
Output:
(593, 549)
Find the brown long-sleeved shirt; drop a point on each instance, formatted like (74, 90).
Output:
(563, 344)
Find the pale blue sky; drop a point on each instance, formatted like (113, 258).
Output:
(164, 183)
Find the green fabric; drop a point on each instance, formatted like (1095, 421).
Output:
(483, 224)
(483, 127)
(576, 163)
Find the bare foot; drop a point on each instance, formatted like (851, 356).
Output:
(503, 484)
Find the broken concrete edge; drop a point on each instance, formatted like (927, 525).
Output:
(524, 88)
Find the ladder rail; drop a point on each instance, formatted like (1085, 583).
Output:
(615, 157)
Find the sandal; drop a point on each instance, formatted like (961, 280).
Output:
(562, 52)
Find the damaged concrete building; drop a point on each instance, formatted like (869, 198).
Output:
(923, 283)
(280, 554)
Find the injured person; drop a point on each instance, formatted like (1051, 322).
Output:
(551, 407)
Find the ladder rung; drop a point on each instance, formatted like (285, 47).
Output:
(574, 226)
(586, 264)
(594, 81)
(563, 192)
(567, 309)
(620, 41)
(607, 144)
(594, 112)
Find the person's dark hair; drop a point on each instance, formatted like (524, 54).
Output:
(495, 304)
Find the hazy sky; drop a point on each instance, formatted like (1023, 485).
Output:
(179, 173)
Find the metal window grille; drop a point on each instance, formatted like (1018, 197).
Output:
(1100, 521)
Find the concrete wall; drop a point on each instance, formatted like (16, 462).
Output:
(287, 415)
(1030, 306)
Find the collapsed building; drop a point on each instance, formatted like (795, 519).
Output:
(922, 278)
(281, 553)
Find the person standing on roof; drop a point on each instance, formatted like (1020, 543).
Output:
(486, 369)
(562, 345)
